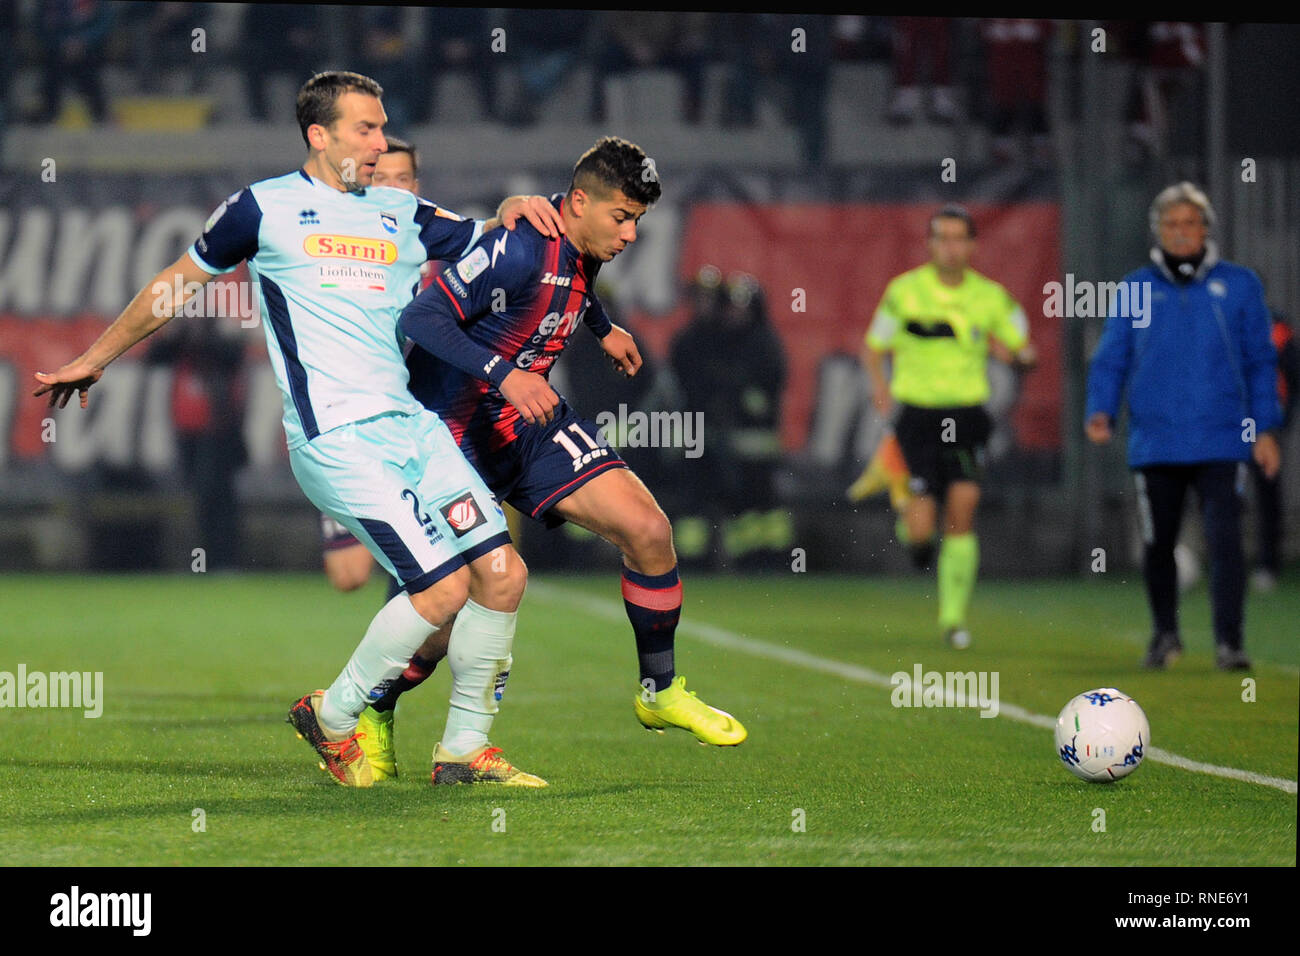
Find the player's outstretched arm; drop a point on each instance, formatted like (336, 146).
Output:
(153, 306)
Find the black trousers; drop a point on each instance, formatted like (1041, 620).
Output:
(1162, 491)
(1268, 518)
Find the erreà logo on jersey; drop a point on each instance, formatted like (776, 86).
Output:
(350, 247)
(463, 514)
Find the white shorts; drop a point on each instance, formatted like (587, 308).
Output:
(401, 486)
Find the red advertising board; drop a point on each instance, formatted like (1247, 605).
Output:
(824, 267)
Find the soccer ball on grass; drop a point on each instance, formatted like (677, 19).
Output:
(1102, 735)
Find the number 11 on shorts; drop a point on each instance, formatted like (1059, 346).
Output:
(580, 457)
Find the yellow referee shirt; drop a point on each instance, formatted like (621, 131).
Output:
(939, 335)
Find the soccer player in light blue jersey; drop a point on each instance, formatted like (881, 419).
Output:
(334, 261)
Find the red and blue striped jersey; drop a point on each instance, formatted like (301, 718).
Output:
(510, 303)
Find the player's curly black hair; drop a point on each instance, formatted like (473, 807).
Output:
(614, 163)
(318, 100)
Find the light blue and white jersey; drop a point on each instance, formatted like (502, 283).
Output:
(332, 271)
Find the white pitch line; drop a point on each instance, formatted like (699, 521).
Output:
(720, 637)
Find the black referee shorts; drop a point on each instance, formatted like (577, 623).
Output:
(942, 445)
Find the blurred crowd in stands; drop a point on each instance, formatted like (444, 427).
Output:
(991, 71)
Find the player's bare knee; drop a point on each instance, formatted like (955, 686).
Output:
(513, 577)
(921, 525)
(649, 538)
(661, 534)
(442, 599)
(498, 579)
(961, 519)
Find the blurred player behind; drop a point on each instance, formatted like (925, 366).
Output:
(488, 331)
(938, 321)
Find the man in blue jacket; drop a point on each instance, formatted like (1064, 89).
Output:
(1199, 373)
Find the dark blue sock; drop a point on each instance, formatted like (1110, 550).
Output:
(416, 673)
(654, 606)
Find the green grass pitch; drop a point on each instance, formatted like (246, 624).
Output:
(199, 671)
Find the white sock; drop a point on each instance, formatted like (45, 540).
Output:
(478, 653)
(396, 633)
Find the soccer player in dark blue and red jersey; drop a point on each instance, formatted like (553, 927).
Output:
(486, 333)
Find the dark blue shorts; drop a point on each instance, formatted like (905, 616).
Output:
(545, 464)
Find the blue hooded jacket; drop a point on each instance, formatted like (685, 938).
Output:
(1199, 367)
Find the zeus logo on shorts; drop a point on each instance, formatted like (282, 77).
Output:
(463, 514)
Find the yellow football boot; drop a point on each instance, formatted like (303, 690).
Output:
(675, 706)
(485, 765)
(376, 729)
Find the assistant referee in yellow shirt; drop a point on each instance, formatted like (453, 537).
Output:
(938, 322)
